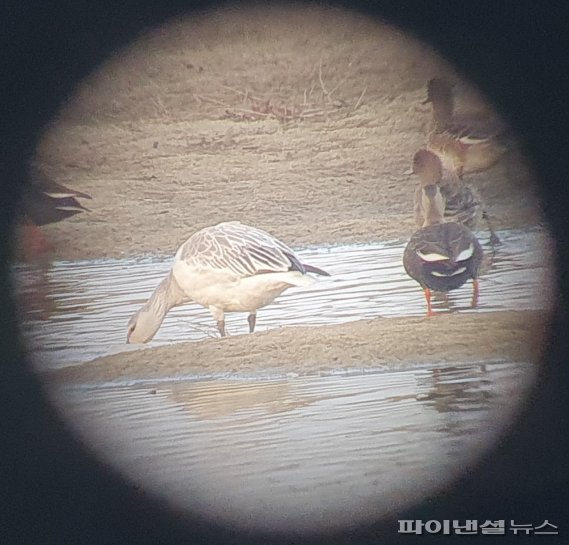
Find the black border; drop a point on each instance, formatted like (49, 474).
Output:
(52, 491)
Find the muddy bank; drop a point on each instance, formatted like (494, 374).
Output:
(300, 121)
(393, 342)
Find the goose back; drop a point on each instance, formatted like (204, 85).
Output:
(442, 257)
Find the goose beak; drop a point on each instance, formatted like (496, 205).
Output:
(408, 172)
(426, 101)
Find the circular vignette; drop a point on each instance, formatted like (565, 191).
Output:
(31, 417)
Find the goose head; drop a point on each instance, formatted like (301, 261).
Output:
(142, 326)
(427, 165)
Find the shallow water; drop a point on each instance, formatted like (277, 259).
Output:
(285, 452)
(78, 310)
(301, 452)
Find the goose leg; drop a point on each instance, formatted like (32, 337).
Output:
(221, 327)
(252, 319)
(428, 299)
(219, 317)
(475, 292)
(494, 238)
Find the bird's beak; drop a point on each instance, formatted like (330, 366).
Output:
(409, 171)
(426, 101)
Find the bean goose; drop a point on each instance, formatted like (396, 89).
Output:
(462, 202)
(229, 267)
(441, 256)
(472, 142)
(45, 201)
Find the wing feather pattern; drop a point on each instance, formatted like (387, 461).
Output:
(243, 250)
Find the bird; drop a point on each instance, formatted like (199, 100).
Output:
(228, 267)
(45, 201)
(472, 143)
(441, 256)
(462, 202)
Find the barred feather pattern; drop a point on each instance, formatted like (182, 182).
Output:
(463, 205)
(243, 250)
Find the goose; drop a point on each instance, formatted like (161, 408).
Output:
(441, 256)
(462, 202)
(229, 267)
(472, 142)
(45, 201)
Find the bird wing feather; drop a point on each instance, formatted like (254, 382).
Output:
(243, 250)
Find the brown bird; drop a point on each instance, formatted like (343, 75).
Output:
(462, 202)
(471, 142)
(441, 256)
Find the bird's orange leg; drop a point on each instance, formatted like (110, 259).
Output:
(33, 242)
(475, 292)
(428, 299)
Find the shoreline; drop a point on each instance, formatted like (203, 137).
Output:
(365, 344)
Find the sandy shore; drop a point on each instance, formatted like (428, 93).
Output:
(393, 342)
(306, 133)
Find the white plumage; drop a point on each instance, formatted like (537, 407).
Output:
(229, 267)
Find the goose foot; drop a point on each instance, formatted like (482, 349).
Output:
(252, 319)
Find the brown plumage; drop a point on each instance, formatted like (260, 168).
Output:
(471, 142)
(462, 202)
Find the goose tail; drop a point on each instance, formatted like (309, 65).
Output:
(315, 270)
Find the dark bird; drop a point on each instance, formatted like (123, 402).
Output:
(441, 256)
(45, 201)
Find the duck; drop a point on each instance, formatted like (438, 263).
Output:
(228, 267)
(441, 256)
(45, 201)
(462, 202)
(473, 143)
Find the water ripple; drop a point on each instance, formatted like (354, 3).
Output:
(90, 302)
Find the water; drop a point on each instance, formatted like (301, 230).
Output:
(299, 453)
(85, 305)
(285, 452)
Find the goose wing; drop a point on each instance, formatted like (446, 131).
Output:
(445, 241)
(41, 183)
(240, 249)
(471, 130)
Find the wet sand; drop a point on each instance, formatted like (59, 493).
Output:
(389, 342)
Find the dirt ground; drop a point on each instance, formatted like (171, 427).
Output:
(299, 121)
